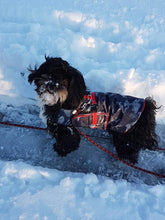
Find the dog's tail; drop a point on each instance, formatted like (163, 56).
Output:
(147, 124)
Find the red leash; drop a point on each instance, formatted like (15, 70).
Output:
(117, 158)
(161, 149)
(94, 143)
(22, 126)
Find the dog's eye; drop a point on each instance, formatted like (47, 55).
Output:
(51, 87)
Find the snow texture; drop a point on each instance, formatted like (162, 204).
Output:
(119, 47)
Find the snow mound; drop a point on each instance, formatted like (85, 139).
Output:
(30, 192)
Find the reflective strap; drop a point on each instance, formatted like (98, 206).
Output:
(93, 98)
(94, 121)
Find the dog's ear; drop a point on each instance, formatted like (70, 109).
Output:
(77, 88)
(33, 75)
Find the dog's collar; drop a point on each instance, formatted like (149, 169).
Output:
(91, 97)
(88, 100)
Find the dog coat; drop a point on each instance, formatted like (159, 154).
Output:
(108, 111)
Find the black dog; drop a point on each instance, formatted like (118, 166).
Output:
(65, 100)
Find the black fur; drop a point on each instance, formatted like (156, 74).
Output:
(141, 136)
(55, 77)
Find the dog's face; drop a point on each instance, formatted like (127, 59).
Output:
(52, 81)
(52, 91)
(56, 81)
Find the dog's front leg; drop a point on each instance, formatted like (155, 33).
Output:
(67, 138)
(52, 127)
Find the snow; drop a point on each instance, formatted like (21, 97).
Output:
(119, 47)
(51, 194)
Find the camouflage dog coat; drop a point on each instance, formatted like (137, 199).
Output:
(108, 111)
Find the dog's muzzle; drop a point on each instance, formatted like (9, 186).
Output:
(51, 93)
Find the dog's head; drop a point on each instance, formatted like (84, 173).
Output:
(57, 83)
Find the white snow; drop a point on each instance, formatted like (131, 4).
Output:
(118, 46)
(30, 192)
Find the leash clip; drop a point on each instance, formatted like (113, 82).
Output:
(85, 105)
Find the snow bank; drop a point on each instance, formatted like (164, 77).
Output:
(30, 192)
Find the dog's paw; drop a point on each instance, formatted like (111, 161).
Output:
(133, 158)
(66, 145)
(130, 156)
(60, 150)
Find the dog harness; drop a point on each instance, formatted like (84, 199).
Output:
(108, 111)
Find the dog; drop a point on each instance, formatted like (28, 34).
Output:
(66, 103)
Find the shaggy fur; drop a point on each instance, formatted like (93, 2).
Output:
(59, 85)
